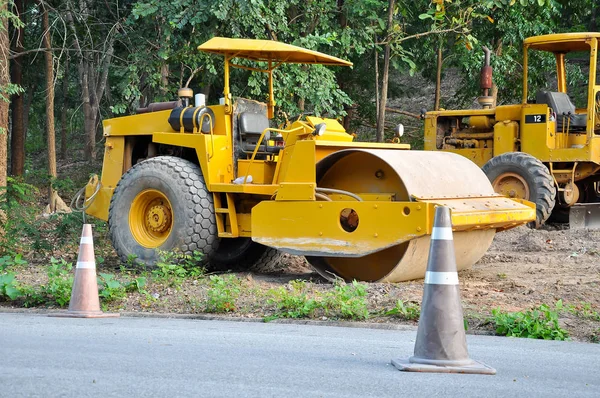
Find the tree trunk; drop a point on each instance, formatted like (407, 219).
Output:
(89, 122)
(50, 134)
(4, 81)
(386, 69)
(438, 79)
(63, 112)
(28, 101)
(17, 137)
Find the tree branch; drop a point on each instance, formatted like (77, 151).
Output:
(405, 113)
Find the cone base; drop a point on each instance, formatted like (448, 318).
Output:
(474, 368)
(84, 314)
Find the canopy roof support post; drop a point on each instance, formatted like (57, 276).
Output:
(561, 74)
(525, 77)
(271, 104)
(591, 123)
(226, 92)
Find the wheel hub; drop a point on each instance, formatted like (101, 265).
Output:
(150, 218)
(570, 195)
(511, 185)
(158, 218)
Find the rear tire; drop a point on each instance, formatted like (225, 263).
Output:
(162, 204)
(519, 175)
(245, 254)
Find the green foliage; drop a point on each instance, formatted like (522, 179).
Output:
(410, 311)
(60, 282)
(585, 311)
(348, 301)
(8, 286)
(175, 267)
(56, 291)
(222, 293)
(538, 323)
(14, 199)
(292, 301)
(111, 289)
(137, 285)
(595, 336)
(11, 261)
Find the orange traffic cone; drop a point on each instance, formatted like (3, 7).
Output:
(441, 344)
(85, 302)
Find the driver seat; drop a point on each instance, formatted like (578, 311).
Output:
(565, 110)
(251, 127)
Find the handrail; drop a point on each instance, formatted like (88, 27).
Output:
(212, 137)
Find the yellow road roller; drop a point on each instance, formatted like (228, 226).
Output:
(222, 180)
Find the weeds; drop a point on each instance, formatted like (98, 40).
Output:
(8, 286)
(584, 311)
(176, 267)
(222, 294)
(538, 323)
(410, 311)
(56, 291)
(349, 301)
(60, 282)
(11, 261)
(595, 336)
(111, 289)
(293, 302)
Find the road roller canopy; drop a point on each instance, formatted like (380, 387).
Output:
(268, 51)
(580, 45)
(562, 42)
(272, 52)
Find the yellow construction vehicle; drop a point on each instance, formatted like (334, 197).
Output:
(545, 149)
(220, 180)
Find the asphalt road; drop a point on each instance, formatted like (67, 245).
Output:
(153, 357)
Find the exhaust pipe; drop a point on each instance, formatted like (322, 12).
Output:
(486, 100)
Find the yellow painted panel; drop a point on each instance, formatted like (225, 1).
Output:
(298, 163)
(214, 153)
(148, 123)
(262, 171)
(508, 112)
(313, 228)
(332, 124)
(112, 166)
(505, 137)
